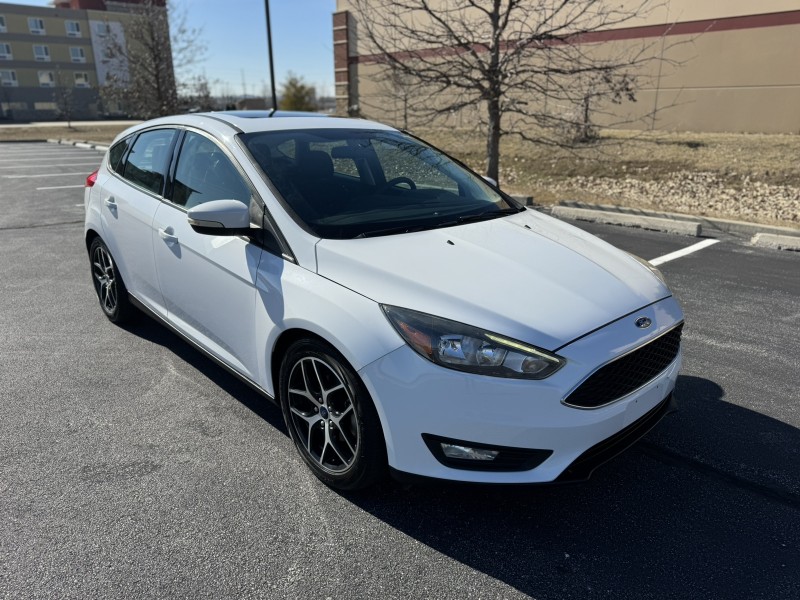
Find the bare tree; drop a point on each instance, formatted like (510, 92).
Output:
(196, 95)
(156, 45)
(63, 97)
(527, 68)
(401, 88)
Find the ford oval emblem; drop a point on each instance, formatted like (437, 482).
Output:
(643, 322)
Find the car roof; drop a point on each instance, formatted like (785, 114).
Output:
(229, 123)
(247, 121)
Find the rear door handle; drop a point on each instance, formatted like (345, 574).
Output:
(110, 202)
(167, 235)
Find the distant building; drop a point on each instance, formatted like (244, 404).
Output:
(739, 72)
(53, 61)
(252, 104)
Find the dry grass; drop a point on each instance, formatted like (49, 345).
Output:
(651, 156)
(95, 132)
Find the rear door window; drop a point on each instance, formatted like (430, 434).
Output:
(149, 158)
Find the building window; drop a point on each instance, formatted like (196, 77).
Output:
(5, 52)
(36, 25)
(41, 53)
(46, 79)
(82, 80)
(102, 29)
(73, 28)
(77, 54)
(8, 79)
(3, 24)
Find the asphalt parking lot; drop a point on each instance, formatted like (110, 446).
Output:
(132, 467)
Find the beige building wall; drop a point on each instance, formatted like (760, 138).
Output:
(739, 69)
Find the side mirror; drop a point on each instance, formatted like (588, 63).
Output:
(220, 217)
(490, 180)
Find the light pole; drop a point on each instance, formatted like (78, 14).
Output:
(271, 64)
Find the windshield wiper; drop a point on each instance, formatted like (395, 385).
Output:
(391, 231)
(482, 216)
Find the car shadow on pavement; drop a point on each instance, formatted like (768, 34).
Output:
(706, 506)
(152, 331)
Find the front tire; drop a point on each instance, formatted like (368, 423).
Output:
(108, 284)
(330, 416)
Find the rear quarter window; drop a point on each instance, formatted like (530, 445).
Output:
(116, 154)
(148, 159)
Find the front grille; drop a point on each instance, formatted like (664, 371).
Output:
(628, 373)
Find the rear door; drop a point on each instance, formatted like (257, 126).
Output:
(208, 282)
(130, 199)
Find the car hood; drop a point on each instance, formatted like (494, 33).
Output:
(527, 276)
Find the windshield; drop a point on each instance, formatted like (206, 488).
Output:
(348, 183)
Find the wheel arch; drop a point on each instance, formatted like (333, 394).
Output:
(282, 343)
(290, 336)
(89, 237)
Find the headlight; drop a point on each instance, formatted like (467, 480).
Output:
(464, 348)
(650, 266)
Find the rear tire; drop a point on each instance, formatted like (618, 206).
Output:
(108, 284)
(330, 416)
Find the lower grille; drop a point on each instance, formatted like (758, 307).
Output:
(583, 466)
(627, 373)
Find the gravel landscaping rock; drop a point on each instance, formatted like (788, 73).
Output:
(696, 193)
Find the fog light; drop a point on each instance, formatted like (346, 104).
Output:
(467, 453)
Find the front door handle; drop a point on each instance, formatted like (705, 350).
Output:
(167, 235)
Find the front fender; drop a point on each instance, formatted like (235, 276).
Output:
(290, 297)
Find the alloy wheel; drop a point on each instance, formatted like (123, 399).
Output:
(323, 414)
(103, 272)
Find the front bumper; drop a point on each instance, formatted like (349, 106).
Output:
(415, 397)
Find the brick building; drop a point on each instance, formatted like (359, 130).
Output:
(739, 71)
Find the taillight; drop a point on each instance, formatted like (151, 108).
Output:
(92, 179)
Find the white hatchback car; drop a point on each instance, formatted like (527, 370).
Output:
(404, 312)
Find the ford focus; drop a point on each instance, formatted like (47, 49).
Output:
(407, 316)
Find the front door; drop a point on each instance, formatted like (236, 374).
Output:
(208, 282)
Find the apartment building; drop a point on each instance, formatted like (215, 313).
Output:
(54, 60)
(731, 66)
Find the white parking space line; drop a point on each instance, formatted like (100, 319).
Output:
(61, 187)
(7, 156)
(683, 252)
(42, 175)
(75, 164)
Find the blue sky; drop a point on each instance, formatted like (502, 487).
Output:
(236, 37)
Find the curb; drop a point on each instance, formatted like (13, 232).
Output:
(709, 224)
(629, 220)
(778, 242)
(78, 144)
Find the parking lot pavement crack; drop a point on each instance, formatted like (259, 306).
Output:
(38, 226)
(670, 457)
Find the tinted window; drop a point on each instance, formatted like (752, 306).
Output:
(205, 173)
(116, 153)
(148, 159)
(345, 183)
